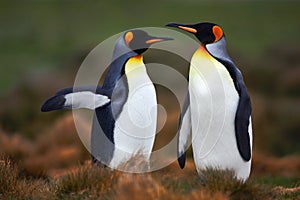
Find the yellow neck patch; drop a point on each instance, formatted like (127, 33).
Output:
(134, 63)
(204, 64)
(202, 52)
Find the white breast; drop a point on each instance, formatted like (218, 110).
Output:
(135, 128)
(214, 101)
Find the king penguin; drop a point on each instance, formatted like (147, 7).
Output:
(217, 107)
(125, 117)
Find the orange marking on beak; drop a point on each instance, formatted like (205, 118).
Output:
(153, 41)
(188, 29)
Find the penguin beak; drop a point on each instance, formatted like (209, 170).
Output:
(153, 40)
(184, 27)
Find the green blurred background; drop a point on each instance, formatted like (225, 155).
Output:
(42, 44)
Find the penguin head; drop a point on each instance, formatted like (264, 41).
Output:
(139, 41)
(207, 33)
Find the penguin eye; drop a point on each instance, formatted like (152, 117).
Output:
(218, 33)
(128, 38)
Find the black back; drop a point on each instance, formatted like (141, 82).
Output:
(116, 87)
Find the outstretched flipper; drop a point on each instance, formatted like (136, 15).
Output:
(184, 131)
(89, 97)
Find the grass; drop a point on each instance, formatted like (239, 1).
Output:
(86, 181)
(290, 182)
(53, 167)
(14, 186)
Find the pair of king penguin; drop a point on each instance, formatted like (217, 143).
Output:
(215, 85)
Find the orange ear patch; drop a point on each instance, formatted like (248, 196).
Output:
(128, 37)
(217, 32)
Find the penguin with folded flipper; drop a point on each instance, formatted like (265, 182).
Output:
(217, 108)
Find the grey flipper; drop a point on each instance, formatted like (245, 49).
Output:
(89, 97)
(242, 120)
(184, 131)
(244, 109)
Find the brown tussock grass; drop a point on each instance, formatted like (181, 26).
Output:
(86, 178)
(56, 148)
(137, 164)
(283, 190)
(150, 186)
(138, 186)
(225, 181)
(288, 166)
(55, 168)
(94, 182)
(13, 186)
(57, 158)
(14, 146)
